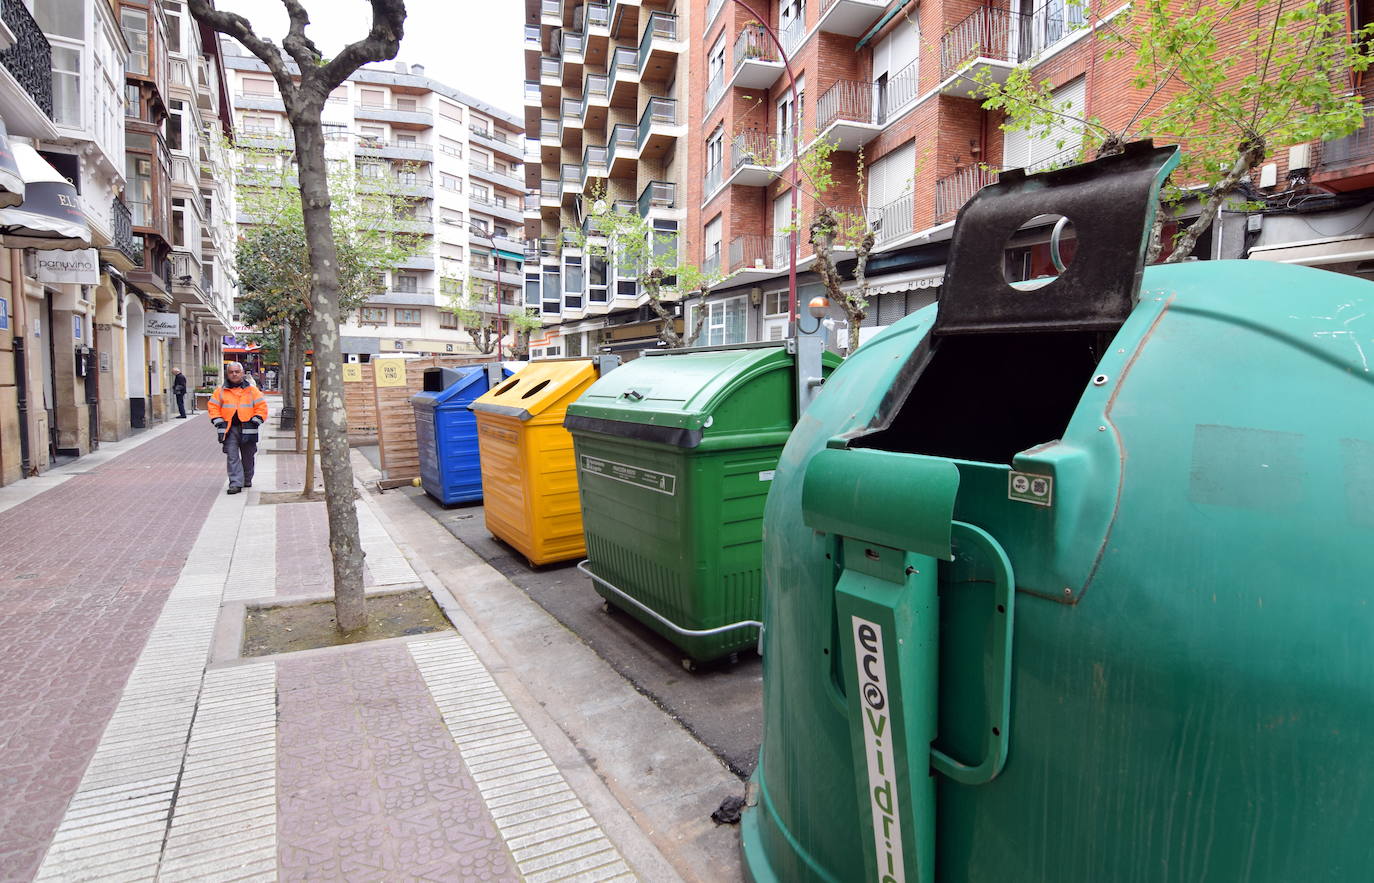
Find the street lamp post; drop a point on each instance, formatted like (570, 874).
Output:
(480, 232)
(794, 180)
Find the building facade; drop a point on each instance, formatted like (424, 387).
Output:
(892, 84)
(85, 83)
(457, 159)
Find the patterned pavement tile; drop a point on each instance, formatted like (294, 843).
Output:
(370, 785)
(77, 615)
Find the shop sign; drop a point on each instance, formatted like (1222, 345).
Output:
(161, 324)
(353, 372)
(390, 372)
(81, 266)
(4, 314)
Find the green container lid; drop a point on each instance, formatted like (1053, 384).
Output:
(683, 397)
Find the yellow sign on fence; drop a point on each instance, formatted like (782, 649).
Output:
(390, 372)
(353, 372)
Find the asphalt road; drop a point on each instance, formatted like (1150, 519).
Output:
(722, 705)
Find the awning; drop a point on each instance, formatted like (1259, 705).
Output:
(926, 277)
(1315, 252)
(11, 182)
(518, 257)
(50, 215)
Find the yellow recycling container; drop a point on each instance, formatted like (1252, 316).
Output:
(529, 476)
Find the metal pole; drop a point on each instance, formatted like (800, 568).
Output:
(496, 263)
(796, 132)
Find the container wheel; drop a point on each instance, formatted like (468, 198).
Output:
(607, 607)
(689, 663)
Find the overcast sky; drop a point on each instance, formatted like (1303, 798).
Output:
(476, 46)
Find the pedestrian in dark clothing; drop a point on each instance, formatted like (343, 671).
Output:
(179, 390)
(237, 409)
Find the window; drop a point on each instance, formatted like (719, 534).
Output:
(373, 316)
(890, 179)
(572, 344)
(450, 182)
(775, 315)
(715, 73)
(553, 291)
(258, 86)
(715, 155)
(174, 125)
(450, 147)
(372, 98)
(132, 101)
(138, 192)
(453, 218)
(407, 283)
(370, 170)
(61, 18)
(712, 239)
(788, 122)
(450, 111)
(724, 321)
(258, 124)
(572, 282)
(596, 279)
(448, 320)
(340, 94)
(480, 192)
(895, 71)
(791, 23)
(179, 223)
(134, 23)
(373, 135)
(407, 317)
(406, 140)
(1025, 149)
(66, 86)
(173, 10)
(405, 104)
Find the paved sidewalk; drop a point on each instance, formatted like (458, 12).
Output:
(136, 745)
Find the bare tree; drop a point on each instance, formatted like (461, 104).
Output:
(304, 91)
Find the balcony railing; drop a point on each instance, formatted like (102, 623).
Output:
(551, 7)
(29, 60)
(594, 162)
(571, 173)
(572, 109)
(550, 67)
(491, 134)
(896, 218)
(598, 15)
(710, 265)
(573, 44)
(753, 44)
(896, 93)
(753, 148)
(533, 39)
(661, 26)
(713, 179)
(532, 93)
(790, 35)
(549, 130)
(952, 191)
(659, 111)
(712, 8)
(550, 189)
(595, 87)
(531, 202)
(625, 58)
(122, 226)
(657, 194)
(750, 250)
(846, 100)
(624, 140)
(1013, 37)
(715, 88)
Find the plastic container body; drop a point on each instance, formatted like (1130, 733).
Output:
(446, 435)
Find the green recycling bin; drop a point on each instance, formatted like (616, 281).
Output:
(1071, 580)
(675, 455)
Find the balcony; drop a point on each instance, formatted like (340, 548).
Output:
(496, 140)
(750, 252)
(710, 264)
(402, 185)
(551, 12)
(1344, 164)
(791, 35)
(753, 154)
(623, 151)
(186, 273)
(259, 101)
(894, 219)
(658, 127)
(550, 72)
(624, 76)
(417, 223)
(596, 98)
(715, 88)
(550, 194)
(535, 249)
(991, 41)
(659, 46)
(595, 22)
(417, 262)
(714, 180)
(845, 114)
(952, 191)
(897, 93)
(757, 63)
(570, 46)
(265, 138)
(394, 113)
(495, 176)
(534, 38)
(550, 132)
(533, 96)
(594, 165)
(395, 149)
(496, 207)
(571, 114)
(852, 18)
(657, 195)
(122, 230)
(570, 174)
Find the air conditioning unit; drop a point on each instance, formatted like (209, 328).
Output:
(1299, 157)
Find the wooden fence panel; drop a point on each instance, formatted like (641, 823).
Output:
(399, 456)
(360, 404)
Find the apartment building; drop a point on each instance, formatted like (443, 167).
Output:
(608, 92)
(892, 84)
(459, 161)
(90, 311)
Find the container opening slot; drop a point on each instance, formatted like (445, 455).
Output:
(508, 387)
(534, 390)
(987, 397)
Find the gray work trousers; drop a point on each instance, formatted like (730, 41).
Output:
(240, 455)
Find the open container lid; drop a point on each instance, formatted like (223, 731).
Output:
(538, 387)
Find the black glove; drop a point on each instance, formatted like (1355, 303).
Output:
(255, 420)
(220, 428)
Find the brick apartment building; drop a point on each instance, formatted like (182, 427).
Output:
(891, 83)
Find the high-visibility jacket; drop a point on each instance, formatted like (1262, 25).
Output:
(246, 401)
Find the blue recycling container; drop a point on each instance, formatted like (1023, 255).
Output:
(446, 431)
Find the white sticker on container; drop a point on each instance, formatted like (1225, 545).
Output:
(767, 475)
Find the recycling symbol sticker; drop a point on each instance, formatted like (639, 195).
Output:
(1025, 487)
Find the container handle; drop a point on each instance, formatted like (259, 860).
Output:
(998, 698)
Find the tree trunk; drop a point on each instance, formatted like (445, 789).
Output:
(1250, 153)
(286, 367)
(326, 385)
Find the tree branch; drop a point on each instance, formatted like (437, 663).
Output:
(234, 25)
(381, 43)
(300, 47)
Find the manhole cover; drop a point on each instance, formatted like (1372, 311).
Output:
(271, 629)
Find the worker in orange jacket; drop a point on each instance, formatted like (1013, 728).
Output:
(237, 409)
